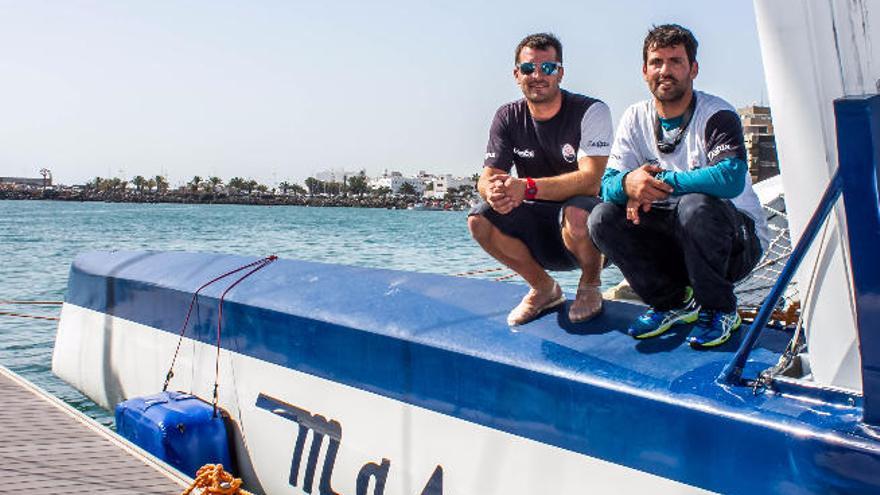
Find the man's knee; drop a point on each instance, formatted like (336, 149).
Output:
(694, 205)
(603, 217)
(702, 214)
(575, 223)
(480, 227)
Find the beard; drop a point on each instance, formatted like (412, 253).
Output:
(674, 92)
(540, 93)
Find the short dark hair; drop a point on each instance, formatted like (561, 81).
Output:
(539, 41)
(669, 35)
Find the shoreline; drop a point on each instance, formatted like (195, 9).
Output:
(340, 201)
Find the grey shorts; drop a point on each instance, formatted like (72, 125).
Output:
(538, 224)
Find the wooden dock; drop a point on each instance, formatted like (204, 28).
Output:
(48, 447)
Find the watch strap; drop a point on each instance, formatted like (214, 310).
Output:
(531, 188)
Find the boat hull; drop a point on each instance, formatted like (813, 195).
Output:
(353, 380)
(412, 450)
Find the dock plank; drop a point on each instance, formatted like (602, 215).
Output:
(50, 448)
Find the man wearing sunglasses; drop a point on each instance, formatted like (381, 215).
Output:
(680, 220)
(537, 221)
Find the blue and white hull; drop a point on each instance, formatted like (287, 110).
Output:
(355, 381)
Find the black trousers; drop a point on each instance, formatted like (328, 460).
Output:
(693, 239)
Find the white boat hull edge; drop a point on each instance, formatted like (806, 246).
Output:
(94, 352)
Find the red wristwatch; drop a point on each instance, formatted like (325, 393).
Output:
(531, 188)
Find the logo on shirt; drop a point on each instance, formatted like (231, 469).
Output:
(568, 153)
(524, 153)
(721, 148)
(598, 144)
(490, 155)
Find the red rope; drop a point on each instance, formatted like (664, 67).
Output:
(35, 317)
(40, 303)
(265, 262)
(192, 302)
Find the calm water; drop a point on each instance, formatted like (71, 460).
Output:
(39, 239)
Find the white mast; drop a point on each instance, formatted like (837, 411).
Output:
(814, 52)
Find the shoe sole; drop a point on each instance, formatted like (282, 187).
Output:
(716, 342)
(539, 312)
(683, 319)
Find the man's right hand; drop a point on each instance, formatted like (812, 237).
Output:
(497, 195)
(641, 186)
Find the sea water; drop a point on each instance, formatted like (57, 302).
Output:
(40, 239)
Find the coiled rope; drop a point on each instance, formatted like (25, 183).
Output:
(211, 478)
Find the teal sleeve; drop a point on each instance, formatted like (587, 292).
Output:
(612, 187)
(726, 179)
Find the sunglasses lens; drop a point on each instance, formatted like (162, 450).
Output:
(527, 68)
(549, 68)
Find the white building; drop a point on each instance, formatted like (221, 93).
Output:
(334, 175)
(395, 181)
(443, 183)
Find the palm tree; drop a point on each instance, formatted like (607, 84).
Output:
(139, 182)
(284, 186)
(313, 185)
(161, 184)
(333, 188)
(407, 189)
(297, 189)
(237, 184)
(215, 182)
(358, 183)
(195, 183)
(251, 185)
(112, 184)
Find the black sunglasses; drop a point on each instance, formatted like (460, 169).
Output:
(548, 68)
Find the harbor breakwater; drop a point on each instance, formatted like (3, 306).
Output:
(178, 197)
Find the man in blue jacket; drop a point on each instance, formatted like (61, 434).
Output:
(680, 220)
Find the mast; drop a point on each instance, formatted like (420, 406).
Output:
(815, 52)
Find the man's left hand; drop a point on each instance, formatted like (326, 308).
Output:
(632, 209)
(516, 190)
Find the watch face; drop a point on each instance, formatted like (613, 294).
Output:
(531, 191)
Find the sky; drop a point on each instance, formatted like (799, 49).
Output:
(276, 91)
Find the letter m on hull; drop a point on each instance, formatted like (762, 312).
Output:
(320, 428)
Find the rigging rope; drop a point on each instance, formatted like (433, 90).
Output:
(34, 317)
(479, 271)
(33, 303)
(260, 263)
(39, 303)
(259, 266)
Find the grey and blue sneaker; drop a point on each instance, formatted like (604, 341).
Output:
(653, 323)
(714, 328)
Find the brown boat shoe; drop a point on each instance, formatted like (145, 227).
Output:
(533, 304)
(587, 304)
